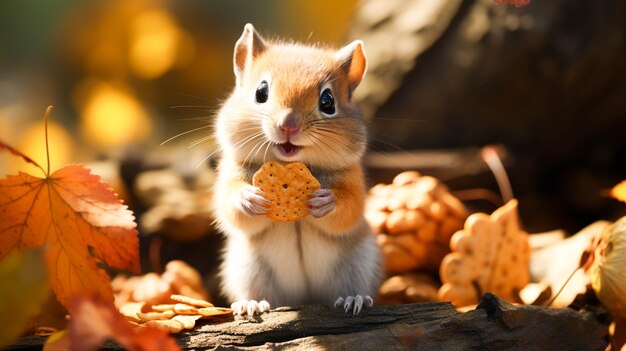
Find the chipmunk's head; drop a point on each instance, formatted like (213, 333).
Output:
(293, 102)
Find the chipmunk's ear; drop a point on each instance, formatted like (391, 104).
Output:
(249, 46)
(353, 60)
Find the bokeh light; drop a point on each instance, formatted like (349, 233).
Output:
(111, 115)
(157, 43)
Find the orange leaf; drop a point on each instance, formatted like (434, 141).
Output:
(93, 320)
(619, 191)
(78, 218)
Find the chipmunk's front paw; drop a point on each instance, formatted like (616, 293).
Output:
(252, 201)
(322, 202)
(354, 304)
(251, 307)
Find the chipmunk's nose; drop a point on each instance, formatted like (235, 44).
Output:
(289, 124)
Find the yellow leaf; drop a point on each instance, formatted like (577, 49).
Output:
(23, 290)
(59, 341)
(619, 191)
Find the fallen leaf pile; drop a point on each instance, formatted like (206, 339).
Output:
(152, 289)
(171, 301)
(173, 317)
(608, 269)
(94, 320)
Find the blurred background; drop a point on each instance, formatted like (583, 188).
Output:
(116, 70)
(544, 82)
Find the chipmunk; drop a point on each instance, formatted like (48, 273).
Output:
(293, 102)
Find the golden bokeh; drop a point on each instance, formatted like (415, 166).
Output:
(156, 44)
(112, 116)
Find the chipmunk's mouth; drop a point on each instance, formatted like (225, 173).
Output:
(288, 149)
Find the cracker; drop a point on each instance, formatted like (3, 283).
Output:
(182, 308)
(214, 311)
(190, 301)
(188, 322)
(168, 325)
(163, 307)
(131, 309)
(153, 316)
(287, 188)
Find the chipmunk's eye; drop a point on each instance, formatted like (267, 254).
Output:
(262, 92)
(327, 102)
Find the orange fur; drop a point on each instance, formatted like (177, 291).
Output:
(349, 192)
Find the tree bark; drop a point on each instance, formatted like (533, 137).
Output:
(493, 325)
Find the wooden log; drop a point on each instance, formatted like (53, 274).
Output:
(493, 325)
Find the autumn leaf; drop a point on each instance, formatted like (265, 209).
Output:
(24, 291)
(94, 320)
(619, 191)
(79, 220)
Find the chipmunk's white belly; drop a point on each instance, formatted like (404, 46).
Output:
(301, 260)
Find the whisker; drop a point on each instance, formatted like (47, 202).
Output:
(326, 154)
(266, 150)
(399, 120)
(189, 106)
(199, 118)
(313, 135)
(200, 141)
(257, 145)
(184, 133)
(246, 140)
(240, 143)
(206, 158)
(328, 135)
(194, 97)
(267, 141)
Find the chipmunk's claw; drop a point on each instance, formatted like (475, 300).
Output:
(250, 307)
(252, 201)
(354, 304)
(322, 203)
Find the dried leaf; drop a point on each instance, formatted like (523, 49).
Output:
(619, 191)
(491, 254)
(71, 212)
(607, 274)
(24, 290)
(77, 217)
(94, 320)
